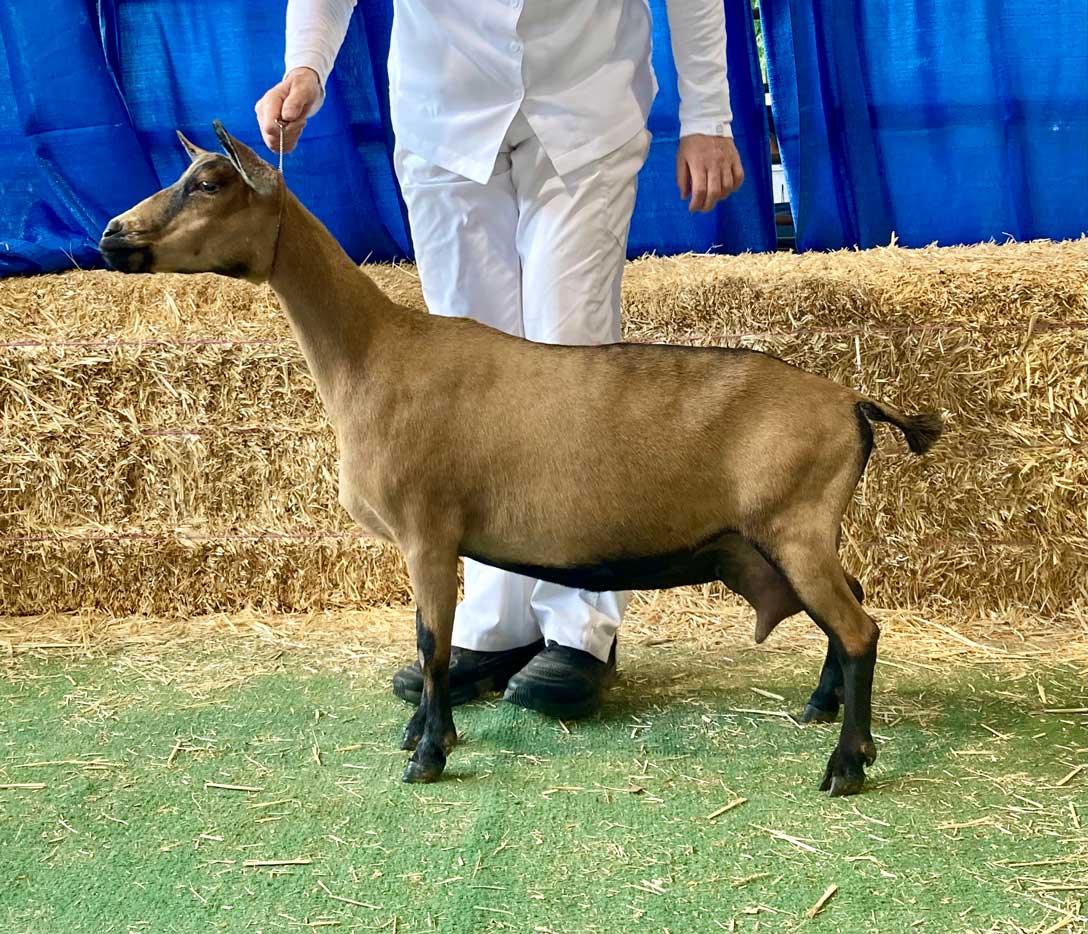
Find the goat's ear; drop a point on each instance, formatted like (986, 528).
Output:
(195, 152)
(256, 173)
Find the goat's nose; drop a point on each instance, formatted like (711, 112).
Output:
(113, 227)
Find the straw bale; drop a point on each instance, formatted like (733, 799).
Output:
(235, 477)
(184, 572)
(163, 449)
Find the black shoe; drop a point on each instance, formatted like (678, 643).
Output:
(562, 682)
(472, 673)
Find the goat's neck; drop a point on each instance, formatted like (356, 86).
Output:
(333, 307)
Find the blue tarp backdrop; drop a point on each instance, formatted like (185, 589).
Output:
(953, 121)
(91, 94)
(939, 120)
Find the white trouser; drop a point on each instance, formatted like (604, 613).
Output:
(540, 256)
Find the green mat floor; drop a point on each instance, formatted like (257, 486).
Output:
(151, 792)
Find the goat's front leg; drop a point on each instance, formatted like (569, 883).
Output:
(431, 732)
(413, 732)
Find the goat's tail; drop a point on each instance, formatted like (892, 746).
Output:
(921, 431)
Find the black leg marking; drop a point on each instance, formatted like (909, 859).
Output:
(424, 641)
(413, 732)
(823, 705)
(845, 774)
(431, 731)
(439, 735)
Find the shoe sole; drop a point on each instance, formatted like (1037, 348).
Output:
(580, 709)
(559, 710)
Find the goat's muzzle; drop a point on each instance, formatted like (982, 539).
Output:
(123, 250)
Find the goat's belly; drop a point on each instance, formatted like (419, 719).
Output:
(651, 572)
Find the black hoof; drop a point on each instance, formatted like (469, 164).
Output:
(418, 773)
(842, 786)
(426, 764)
(843, 778)
(814, 714)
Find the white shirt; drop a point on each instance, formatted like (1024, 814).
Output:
(580, 71)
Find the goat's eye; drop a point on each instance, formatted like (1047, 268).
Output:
(209, 187)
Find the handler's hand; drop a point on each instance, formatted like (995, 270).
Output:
(294, 100)
(708, 169)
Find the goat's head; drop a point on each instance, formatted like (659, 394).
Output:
(221, 216)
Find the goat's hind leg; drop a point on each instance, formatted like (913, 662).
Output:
(813, 569)
(745, 571)
(431, 732)
(823, 705)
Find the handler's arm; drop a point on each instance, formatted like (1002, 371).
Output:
(708, 166)
(315, 32)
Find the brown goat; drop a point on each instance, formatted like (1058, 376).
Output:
(604, 468)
